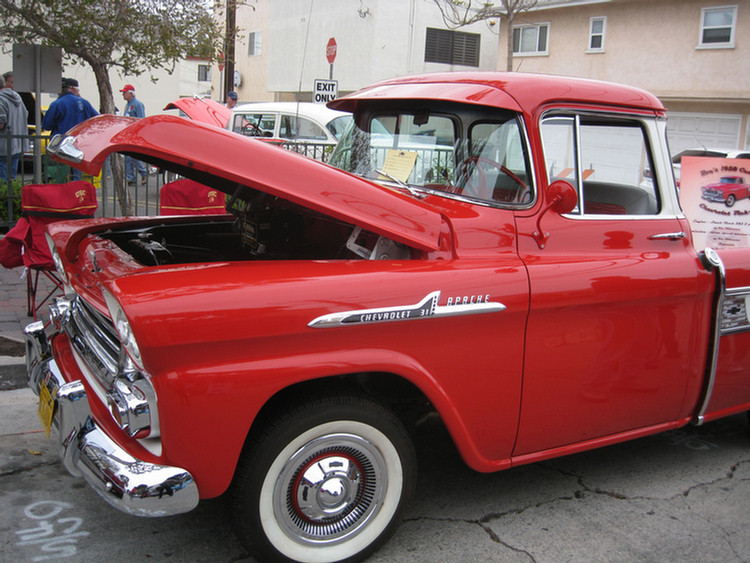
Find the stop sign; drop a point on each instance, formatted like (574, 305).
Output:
(331, 50)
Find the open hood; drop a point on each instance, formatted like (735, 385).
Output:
(224, 160)
(203, 110)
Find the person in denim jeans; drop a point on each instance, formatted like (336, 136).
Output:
(13, 122)
(133, 108)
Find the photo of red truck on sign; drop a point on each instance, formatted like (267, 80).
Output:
(727, 191)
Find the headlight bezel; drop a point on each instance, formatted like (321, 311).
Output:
(57, 261)
(124, 329)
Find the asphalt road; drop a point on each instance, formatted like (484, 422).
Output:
(682, 496)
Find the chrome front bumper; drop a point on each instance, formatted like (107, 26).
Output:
(713, 197)
(129, 484)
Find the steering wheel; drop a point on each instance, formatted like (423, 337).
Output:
(480, 188)
(252, 130)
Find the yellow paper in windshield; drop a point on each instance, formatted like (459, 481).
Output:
(398, 164)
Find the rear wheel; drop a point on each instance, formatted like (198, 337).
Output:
(327, 482)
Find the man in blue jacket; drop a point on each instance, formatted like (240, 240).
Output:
(67, 111)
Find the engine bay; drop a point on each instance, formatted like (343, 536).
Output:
(260, 227)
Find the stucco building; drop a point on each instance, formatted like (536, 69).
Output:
(693, 54)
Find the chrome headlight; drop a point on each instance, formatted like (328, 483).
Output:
(57, 261)
(124, 331)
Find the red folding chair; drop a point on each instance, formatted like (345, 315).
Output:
(26, 244)
(188, 197)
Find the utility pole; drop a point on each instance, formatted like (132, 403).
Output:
(229, 47)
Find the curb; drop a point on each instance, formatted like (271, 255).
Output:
(12, 373)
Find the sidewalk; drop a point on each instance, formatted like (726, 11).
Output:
(13, 319)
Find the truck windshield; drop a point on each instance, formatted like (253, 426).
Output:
(481, 157)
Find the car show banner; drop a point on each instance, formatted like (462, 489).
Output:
(714, 196)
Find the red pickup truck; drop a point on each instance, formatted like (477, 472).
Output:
(484, 249)
(727, 190)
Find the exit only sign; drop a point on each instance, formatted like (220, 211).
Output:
(325, 90)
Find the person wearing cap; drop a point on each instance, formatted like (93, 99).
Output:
(67, 111)
(133, 108)
(13, 123)
(231, 99)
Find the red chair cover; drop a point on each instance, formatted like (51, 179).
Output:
(44, 203)
(25, 244)
(188, 197)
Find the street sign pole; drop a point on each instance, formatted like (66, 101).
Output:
(37, 69)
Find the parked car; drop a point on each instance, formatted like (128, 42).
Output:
(704, 152)
(284, 353)
(289, 121)
(727, 190)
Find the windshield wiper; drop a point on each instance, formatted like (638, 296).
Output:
(401, 184)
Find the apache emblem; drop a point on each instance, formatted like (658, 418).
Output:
(426, 308)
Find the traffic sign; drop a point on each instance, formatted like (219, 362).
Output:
(325, 90)
(331, 48)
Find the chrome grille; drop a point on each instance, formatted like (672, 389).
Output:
(95, 339)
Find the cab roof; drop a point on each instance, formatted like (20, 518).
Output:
(511, 90)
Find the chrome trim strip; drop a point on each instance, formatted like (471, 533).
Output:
(426, 308)
(712, 261)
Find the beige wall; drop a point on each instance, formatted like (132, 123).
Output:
(650, 44)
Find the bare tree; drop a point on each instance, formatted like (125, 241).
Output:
(458, 13)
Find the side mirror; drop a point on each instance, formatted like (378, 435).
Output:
(561, 197)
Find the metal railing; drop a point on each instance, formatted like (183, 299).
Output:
(144, 196)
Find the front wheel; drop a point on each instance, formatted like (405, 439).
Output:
(326, 481)
(730, 200)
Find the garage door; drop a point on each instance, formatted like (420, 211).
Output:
(694, 130)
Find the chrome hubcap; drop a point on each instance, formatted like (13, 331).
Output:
(329, 489)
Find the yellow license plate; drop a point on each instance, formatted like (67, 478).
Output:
(46, 408)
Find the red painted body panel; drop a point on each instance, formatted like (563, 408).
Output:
(632, 316)
(209, 372)
(204, 110)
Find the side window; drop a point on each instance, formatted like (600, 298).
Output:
(293, 127)
(309, 130)
(497, 168)
(287, 127)
(608, 160)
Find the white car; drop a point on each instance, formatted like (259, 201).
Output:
(302, 122)
(717, 153)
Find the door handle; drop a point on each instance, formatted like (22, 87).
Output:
(669, 236)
